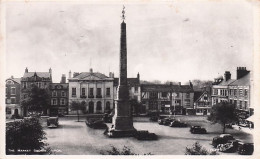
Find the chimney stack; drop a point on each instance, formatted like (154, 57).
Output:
(179, 83)
(70, 74)
(63, 78)
(26, 70)
(91, 70)
(50, 71)
(138, 76)
(227, 75)
(12, 77)
(241, 72)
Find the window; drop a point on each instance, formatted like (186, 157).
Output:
(83, 92)
(54, 102)
(241, 92)
(187, 102)
(54, 94)
(13, 100)
(153, 95)
(164, 94)
(74, 92)
(99, 107)
(13, 90)
(63, 94)
(24, 85)
(99, 91)
(240, 104)
(235, 92)
(215, 91)
(246, 92)
(62, 101)
(39, 84)
(108, 92)
(136, 88)
(187, 95)
(8, 101)
(8, 111)
(91, 91)
(245, 104)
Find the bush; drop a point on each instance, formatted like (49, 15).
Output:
(26, 135)
(124, 151)
(197, 149)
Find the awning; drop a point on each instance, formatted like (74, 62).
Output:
(251, 118)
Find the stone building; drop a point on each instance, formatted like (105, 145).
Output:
(40, 79)
(59, 97)
(98, 90)
(95, 88)
(167, 98)
(12, 97)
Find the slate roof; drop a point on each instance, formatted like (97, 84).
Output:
(244, 81)
(17, 80)
(165, 88)
(83, 75)
(130, 81)
(39, 74)
(226, 83)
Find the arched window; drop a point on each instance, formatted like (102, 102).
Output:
(107, 105)
(99, 107)
(91, 107)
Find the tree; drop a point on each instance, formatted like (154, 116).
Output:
(115, 151)
(76, 105)
(201, 83)
(26, 135)
(197, 149)
(37, 100)
(223, 113)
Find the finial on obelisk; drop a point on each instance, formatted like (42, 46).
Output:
(123, 13)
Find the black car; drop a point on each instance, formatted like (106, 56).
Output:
(107, 118)
(98, 124)
(165, 121)
(145, 135)
(230, 146)
(222, 139)
(53, 122)
(154, 118)
(198, 130)
(245, 148)
(177, 124)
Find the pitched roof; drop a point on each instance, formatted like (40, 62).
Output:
(226, 83)
(90, 76)
(197, 95)
(39, 74)
(165, 88)
(17, 80)
(130, 81)
(244, 81)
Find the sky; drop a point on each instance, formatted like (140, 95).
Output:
(175, 41)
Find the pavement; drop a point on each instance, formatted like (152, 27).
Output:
(75, 138)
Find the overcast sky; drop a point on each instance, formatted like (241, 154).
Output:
(174, 41)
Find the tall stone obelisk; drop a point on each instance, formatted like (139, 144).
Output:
(122, 124)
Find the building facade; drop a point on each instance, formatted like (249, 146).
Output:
(12, 97)
(59, 97)
(236, 91)
(202, 101)
(40, 79)
(167, 99)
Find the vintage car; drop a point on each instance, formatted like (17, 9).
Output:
(230, 146)
(245, 148)
(177, 123)
(165, 121)
(198, 130)
(107, 118)
(96, 124)
(222, 139)
(52, 122)
(145, 135)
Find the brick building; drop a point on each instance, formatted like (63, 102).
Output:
(12, 97)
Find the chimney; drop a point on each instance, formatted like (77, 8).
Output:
(91, 70)
(110, 75)
(179, 83)
(26, 70)
(63, 78)
(241, 72)
(12, 77)
(138, 76)
(50, 71)
(70, 74)
(191, 85)
(227, 75)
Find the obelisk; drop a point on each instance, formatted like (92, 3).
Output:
(122, 123)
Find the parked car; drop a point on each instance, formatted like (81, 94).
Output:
(165, 121)
(198, 130)
(96, 124)
(107, 118)
(145, 135)
(222, 139)
(154, 118)
(230, 146)
(176, 123)
(245, 148)
(53, 122)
